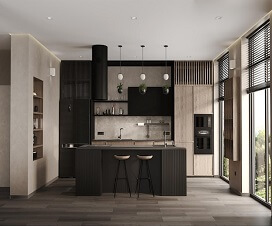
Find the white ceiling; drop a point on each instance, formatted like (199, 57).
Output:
(187, 26)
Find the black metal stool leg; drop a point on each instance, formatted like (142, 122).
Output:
(150, 179)
(140, 177)
(116, 179)
(125, 165)
(137, 181)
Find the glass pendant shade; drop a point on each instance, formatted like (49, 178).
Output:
(165, 76)
(142, 76)
(120, 76)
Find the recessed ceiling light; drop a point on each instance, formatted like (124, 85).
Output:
(80, 56)
(134, 18)
(218, 18)
(49, 18)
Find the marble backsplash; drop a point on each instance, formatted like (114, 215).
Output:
(111, 125)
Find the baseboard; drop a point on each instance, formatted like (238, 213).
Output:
(235, 191)
(198, 176)
(34, 192)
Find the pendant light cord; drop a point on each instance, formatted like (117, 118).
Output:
(165, 58)
(142, 58)
(120, 57)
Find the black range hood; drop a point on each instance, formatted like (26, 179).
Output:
(99, 72)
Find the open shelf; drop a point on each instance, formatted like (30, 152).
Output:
(37, 119)
(37, 97)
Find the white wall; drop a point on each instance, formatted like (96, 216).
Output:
(31, 59)
(4, 117)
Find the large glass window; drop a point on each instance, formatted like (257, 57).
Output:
(258, 87)
(261, 163)
(223, 68)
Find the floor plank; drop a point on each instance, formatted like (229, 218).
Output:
(209, 202)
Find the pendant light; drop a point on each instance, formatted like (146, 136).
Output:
(165, 76)
(142, 76)
(120, 75)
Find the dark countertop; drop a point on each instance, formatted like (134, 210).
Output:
(108, 147)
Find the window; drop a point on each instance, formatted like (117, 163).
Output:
(260, 145)
(223, 68)
(258, 87)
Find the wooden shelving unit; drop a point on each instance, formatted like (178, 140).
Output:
(37, 118)
(231, 128)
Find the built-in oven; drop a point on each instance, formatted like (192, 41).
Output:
(203, 134)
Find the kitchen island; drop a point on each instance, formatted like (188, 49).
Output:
(96, 169)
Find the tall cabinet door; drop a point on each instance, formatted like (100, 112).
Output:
(184, 114)
(184, 123)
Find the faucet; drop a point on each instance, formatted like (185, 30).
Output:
(120, 136)
(165, 133)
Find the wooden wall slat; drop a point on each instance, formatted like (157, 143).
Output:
(193, 73)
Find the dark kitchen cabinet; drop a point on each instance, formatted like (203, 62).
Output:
(153, 103)
(75, 79)
(75, 128)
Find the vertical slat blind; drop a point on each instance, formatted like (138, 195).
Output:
(193, 72)
(259, 58)
(223, 69)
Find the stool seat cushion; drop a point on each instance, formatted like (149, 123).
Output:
(144, 157)
(122, 157)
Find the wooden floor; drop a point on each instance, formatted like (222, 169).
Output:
(208, 203)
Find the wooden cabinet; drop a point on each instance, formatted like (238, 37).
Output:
(203, 165)
(190, 100)
(183, 115)
(203, 99)
(189, 156)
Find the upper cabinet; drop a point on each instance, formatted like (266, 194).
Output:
(152, 103)
(75, 79)
(203, 99)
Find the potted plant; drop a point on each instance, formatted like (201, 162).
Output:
(142, 88)
(165, 89)
(120, 88)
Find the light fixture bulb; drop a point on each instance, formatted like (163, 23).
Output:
(165, 76)
(142, 76)
(120, 76)
(49, 18)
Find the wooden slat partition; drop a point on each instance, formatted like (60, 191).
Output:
(193, 73)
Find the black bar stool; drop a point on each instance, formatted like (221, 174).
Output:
(144, 158)
(120, 158)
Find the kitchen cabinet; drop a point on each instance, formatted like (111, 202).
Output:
(152, 103)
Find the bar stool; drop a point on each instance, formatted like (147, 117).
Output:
(120, 158)
(144, 158)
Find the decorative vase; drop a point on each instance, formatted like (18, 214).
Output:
(120, 90)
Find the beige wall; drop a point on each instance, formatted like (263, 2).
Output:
(4, 117)
(31, 59)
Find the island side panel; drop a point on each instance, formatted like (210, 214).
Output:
(88, 172)
(110, 165)
(174, 180)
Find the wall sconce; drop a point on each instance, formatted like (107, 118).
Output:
(52, 71)
(232, 64)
